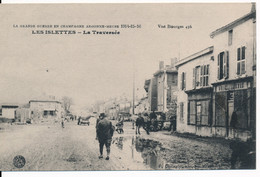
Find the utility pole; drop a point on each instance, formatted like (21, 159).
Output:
(133, 87)
(134, 91)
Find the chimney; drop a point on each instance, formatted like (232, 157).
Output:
(161, 65)
(253, 7)
(173, 62)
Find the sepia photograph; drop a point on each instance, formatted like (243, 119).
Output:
(128, 87)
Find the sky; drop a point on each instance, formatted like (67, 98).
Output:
(88, 68)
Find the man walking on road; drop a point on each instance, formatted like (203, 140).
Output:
(105, 132)
(139, 123)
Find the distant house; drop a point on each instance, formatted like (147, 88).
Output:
(45, 108)
(9, 111)
(151, 89)
(167, 85)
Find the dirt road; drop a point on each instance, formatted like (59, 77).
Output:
(50, 147)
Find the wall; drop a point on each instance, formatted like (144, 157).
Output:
(8, 113)
(182, 97)
(242, 36)
(152, 95)
(39, 107)
(160, 91)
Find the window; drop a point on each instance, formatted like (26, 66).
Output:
(204, 76)
(241, 60)
(192, 113)
(181, 111)
(52, 113)
(201, 76)
(183, 81)
(45, 113)
(230, 37)
(199, 112)
(223, 65)
(196, 74)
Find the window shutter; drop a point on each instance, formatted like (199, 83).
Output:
(218, 66)
(238, 54)
(184, 80)
(238, 68)
(194, 80)
(243, 53)
(207, 75)
(227, 65)
(243, 67)
(181, 81)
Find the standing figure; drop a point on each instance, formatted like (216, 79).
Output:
(234, 123)
(62, 123)
(79, 120)
(173, 123)
(139, 122)
(147, 123)
(105, 132)
(120, 126)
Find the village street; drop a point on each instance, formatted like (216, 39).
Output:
(48, 146)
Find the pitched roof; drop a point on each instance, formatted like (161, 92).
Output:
(44, 101)
(194, 56)
(233, 24)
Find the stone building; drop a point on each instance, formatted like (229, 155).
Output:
(220, 81)
(234, 88)
(195, 93)
(167, 86)
(9, 111)
(45, 109)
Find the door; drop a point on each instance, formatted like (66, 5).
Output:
(230, 100)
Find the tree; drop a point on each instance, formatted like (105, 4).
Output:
(66, 103)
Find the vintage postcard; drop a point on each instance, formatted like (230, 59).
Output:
(128, 87)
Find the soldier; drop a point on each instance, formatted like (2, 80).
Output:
(105, 132)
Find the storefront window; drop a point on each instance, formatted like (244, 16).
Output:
(199, 112)
(192, 113)
(241, 106)
(221, 106)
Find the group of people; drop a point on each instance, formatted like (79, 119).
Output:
(105, 130)
(151, 123)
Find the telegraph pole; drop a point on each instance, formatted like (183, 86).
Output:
(134, 90)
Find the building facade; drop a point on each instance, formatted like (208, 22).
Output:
(195, 93)
(45, 109)
(9, 111)
(152, 93)
(167, 86)
(235, 77)
(217, 86)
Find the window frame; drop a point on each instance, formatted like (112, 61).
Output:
(199, 116)
(230, 37)
(223, 65)
(241, 60)
(183, 81)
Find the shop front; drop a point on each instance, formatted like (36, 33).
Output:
(200, 111)
(233, 100)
